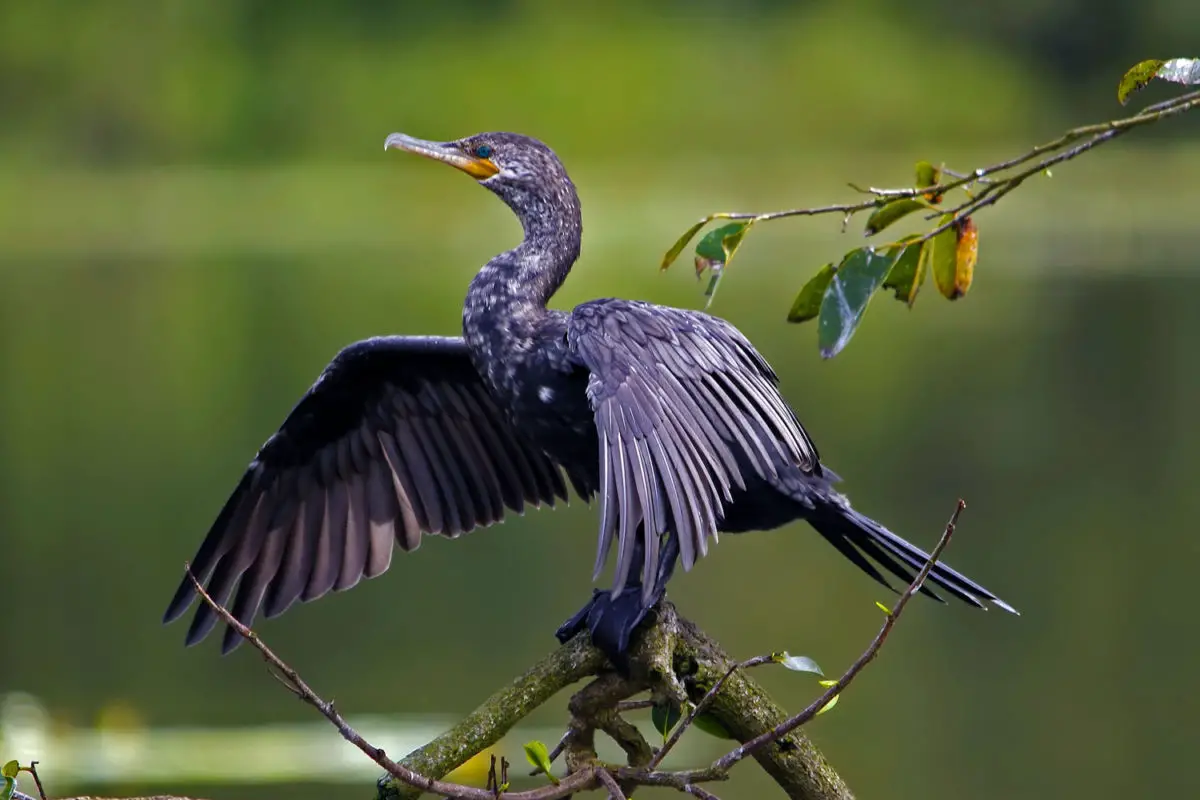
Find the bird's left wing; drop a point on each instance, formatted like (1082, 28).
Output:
(398, 437)
(684, 406)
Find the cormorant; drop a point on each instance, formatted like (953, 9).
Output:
(670, 416)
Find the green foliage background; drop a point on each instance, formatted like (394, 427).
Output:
(196, 213)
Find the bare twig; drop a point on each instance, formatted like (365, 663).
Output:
(610, 783)
(634, 705)
(699, 791)
(23, 796)
(748, 748)
(577, 781)
(37, 781)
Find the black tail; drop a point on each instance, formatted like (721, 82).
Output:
(612, 620)
(857, 537)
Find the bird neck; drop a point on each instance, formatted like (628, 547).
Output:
(506, 303)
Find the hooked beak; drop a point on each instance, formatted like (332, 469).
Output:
(477, 168)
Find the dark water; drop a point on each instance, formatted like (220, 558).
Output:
(1060, 403)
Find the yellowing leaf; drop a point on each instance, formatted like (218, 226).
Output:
(882, 607)
(966, 254)
(833, 700)
(890, 213)
(10, 769)
(929, 175)
(677, 248)
(941, 254)
(807, 304)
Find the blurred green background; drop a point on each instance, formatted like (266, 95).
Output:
(196, 213)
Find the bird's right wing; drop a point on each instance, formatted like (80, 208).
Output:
(397, 438)
(683, 404)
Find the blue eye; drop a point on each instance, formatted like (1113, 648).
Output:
(483, 151)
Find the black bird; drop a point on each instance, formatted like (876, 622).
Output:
(670, 416)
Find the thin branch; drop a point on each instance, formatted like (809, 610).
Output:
(575, 782)
(37, 780)
(610, 783)
(634, 705)
(748, 748)
(23, 796)
(994, 186)
(699, 791)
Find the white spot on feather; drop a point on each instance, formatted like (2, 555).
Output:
(545, 394)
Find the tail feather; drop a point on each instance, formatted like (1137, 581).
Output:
(857, 536)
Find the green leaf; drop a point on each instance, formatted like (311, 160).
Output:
(891, 212)
(807, 304)
(858, 276)
(665, 715)
(941, 254)
(721, 243)
(8, 787)
(715, 251)
(906, 275)
(1176, 70)
(677, 248)
(929, 175)
(832, 701)
(10, 769)
(883, 608)
(800, 664)
(537, 755)
(712, 726)
(1136, 78)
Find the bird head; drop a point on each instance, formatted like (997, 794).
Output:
(522, 170)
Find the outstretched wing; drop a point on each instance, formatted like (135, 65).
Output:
(397, 438)
(683, 405)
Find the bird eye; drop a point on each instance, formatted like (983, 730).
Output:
(483, 151)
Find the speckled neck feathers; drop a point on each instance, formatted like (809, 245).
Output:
(505, 307)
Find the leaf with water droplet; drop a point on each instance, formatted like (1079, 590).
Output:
(907, 273)
(891, 212)
(861, 272)
(807, 304)
(537, 755)
(682, 242)
(799, 663)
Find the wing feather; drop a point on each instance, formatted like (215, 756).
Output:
(684, 407)
(397, 438)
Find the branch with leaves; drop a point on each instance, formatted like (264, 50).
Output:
(691, 682)
(838, 294)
